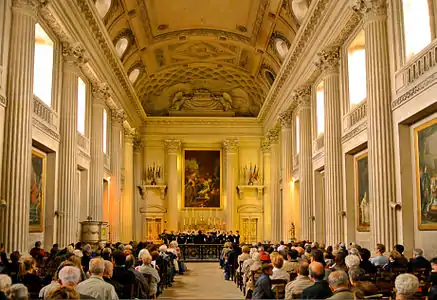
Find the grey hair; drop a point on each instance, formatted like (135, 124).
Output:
(354, 251)
(162, 248)
(5, 282)
(338, 279)
(97, 266)
(352, 261)
(142, 253)
(69, 274)
(418, 252)
(406, 284)
(19, 291)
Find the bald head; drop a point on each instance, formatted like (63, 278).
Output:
(317, 271)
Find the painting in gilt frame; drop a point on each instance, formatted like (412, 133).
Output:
(362, 192)
(426, 174)
(37, 194)
(202, 178)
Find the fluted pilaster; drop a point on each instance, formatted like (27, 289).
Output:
(138, 163)
(267, 155)
(286, 121)
(173, 148)
(303, 97)
(329, 62)
(14, 219)
(68, 206)
(382, 186)
(127, 204)
(275, 197)
(115, 183)
(100, 94)
(231, 151)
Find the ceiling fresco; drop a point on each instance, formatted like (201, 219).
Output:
(201, 57)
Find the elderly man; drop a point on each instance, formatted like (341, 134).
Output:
(5, 285)
(339, 283)
(320, 289)
(107, 276)
(69, 277)
(148, 269)
(141, 284)
(294, 289)
(95, 286)
(406, 286)
(418, 261)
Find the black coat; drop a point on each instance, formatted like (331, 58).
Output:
(320, 290)
(419, 262)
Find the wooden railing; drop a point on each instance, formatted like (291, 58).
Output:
(358, 113)
(204, 252)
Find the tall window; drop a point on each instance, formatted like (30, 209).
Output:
(81, 106)
(320, 108)
(297, 134)
(417, 27)
(43, 66)
(357, 70)
(105, 131)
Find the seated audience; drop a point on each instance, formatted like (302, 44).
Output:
(141, 289)
(18, 291)
(147, 268)
(245, 255)
(397, 261)
(63, 292)
(43, 293)
(320, 289)
(278, 272)
(339, 283)
(122, 275)
(69, 277)
(340, 264)
(433, 276)
(29, 277)
(365, 264)
(361, 288)
(293, 289)
(263, 286)
(406, 286)
(38, 253)
(419, 262)
(5, 286)
(380, 260)
(291, 264)
(95, 286)
(107, 276)
(353, 263)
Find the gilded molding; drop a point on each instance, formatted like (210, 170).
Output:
(138, 144)
(129, 135)
(230, 146)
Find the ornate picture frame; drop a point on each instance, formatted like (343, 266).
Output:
(362, 203)
(37, 194)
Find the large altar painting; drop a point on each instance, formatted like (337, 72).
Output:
(362, 192)
(202, 178)
(36, 209)
(426, 174)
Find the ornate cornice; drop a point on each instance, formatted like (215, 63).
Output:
(328, 60)
(370, 9)
(286, 118)
(230, 146)
(172, 146)
(44, 128)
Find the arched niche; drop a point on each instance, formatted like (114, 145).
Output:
(134, 74)
(103, 7)
(121, 46)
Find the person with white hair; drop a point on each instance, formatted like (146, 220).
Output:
(406, 286)
(18, 291)
(339, 284)
(5, 285)
(418, 261)
(95, 286)
(353, 263)
(148, 269)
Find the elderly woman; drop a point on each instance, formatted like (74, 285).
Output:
(406, 286)
(353, 263)
(245, 255)
(5, 285)
(19, 292)
(147, 268)
(248, 263)
(278, 272)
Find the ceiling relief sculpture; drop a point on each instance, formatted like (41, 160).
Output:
(196, 57)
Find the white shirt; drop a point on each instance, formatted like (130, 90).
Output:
(96, 287)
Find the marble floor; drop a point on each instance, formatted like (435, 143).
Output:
(202, 281)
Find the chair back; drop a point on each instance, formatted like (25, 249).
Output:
(279, 287)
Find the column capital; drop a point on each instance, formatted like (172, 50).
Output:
(138, 144)
(129, 135)
(273, 135)
(302, 96)
(265, 145)
(100, 92)
(286, 118)
(370, 8)
(31, 7)
(117, 116)
(230, 146)
(173, 146)
(328, 60)
(74, 55)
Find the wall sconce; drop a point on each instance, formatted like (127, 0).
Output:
(3, 204)
(342, 213)
(396, 205)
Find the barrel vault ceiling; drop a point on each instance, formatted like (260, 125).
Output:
(202, 57)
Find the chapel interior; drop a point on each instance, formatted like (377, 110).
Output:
(303, 120)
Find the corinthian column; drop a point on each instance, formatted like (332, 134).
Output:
(67, 221)
(267, 155)
(100, 94)
(329, 63)
(138, 166)
(173, 148)
(231, 152)
(14, 219)
(115, 183)
(382, 187)
(303, 98)
(275, 197)
(127, 204)
(286, 120)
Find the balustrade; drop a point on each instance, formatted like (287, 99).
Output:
(83, 143)
(357, 114)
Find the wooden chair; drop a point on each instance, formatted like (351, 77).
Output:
(279, 288)
(148, 278)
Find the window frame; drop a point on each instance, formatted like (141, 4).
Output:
(87, 88)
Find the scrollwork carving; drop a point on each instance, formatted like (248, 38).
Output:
(370, 8)
(303, 97)
(74, 55)
(230, 146)
(31, 6)
(286, 118)
(328, 60)
(273, 135)
(265, 145)
(100, 92)
(118, 116)
(172, 146)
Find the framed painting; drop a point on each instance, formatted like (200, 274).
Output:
(362, 192)
(37, 194)
(426, 174)
(202, 178)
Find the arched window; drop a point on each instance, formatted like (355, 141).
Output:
(282, 47)
(43, 66)
(320, 109)
(103, 7)
(417, 27)
(121, 46)
(81, 106)
(357, 70)
(269, 76)
(133, 76)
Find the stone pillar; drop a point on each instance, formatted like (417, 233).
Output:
(303, 97)
(173, 148)
(382, 186)
(115, 183)
(138, 163)
(14, 219)
(275, 197)
(231, 151)
(286, 120)
(67, 221)
(267, 205)
(329, 63)
(99, 95)
(127, 203)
